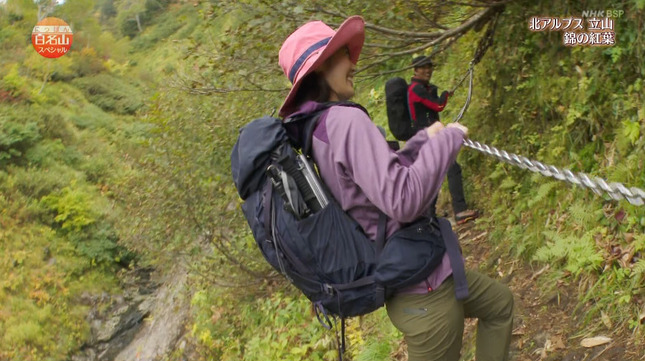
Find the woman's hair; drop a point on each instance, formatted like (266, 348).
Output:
(313, 87)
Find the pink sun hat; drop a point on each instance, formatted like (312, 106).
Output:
(313, 43)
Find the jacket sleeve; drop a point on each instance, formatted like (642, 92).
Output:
(401, 184)
(421, 95)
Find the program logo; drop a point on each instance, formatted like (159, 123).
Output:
(52, 37)
(593, 28)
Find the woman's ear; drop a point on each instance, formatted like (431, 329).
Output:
(322, 68)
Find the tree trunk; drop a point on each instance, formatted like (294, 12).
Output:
(46, 77)
(138, 22)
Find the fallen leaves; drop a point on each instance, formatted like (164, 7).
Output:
(595, 341)
(557, 342)
(552, 344)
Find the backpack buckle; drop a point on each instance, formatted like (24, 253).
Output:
(328, 289)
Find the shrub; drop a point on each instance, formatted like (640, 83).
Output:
(164, 28)
(10, 37)
(92, 233)
(15, 139)
(72, 207)
(87, 63)
(110, 94)
(14, 84)
(53, 125)
(92, 118)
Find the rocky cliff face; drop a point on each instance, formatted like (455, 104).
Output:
(143, 323)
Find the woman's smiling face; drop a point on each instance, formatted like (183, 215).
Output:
(338, 72)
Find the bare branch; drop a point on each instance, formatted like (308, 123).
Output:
(454, 32)
(224, 251)
(271, 5)
(45, 7)
(483, 4)
(385, 46)
(208, 90)
(434, 52)
(406, 34)
(195, 86)
(217, 277)
(383, 29)
(318, 9)
(417, 9)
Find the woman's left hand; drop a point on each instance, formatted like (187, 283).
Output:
(459, 126)
(435, 128)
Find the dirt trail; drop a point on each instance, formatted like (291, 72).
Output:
(548, 325)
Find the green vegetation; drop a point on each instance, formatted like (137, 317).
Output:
(578, 108)
(116, 155)
(59, 160)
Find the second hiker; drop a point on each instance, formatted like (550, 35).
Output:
(424, 105)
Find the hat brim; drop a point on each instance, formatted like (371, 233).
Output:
(351, 33)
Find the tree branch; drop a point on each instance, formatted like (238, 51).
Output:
(454, 32)
(45, 7)
(386, 46)
(448, 44)
(193, 86)
(383, 29)
(220, 247)
(483, 4)
(417, 9)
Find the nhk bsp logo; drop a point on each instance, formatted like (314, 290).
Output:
(52, 37)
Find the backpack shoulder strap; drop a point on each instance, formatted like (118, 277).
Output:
(313, 123)
(300, 128)
(407, 103)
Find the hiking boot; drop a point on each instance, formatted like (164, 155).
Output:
(466, 216)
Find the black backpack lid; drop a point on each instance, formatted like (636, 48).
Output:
(252, 153)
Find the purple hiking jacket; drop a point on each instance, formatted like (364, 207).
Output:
(365, 175)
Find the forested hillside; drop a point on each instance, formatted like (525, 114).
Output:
(114, 159)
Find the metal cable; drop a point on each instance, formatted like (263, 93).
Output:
(484, 43)
(470, 93)
(615, 190)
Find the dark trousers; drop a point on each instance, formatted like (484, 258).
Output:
(456, 191)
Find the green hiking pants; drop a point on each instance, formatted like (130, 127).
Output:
(433, 323)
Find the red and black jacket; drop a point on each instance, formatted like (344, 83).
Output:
(424, 104)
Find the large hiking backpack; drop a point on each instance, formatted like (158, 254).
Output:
(398, 109)
(303, 232)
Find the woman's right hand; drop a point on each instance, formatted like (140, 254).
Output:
(459, 126)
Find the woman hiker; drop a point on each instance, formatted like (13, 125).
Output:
(365, 176)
